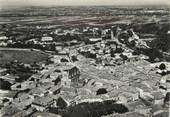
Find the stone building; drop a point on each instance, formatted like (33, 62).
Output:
(43, 103)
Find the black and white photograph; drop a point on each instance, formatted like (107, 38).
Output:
(84, 58)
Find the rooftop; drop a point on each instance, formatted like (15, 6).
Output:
(37, 91)
(44, 101)
(10, 94)
(158, 95)
(65, 67)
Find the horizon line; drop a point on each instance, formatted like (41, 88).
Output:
(144, 5)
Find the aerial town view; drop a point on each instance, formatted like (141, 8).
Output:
(84, 60)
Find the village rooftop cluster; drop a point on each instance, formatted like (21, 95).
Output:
(87, 71)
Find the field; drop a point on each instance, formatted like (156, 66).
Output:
(22, 55)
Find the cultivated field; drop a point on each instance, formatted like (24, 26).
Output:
(22, 55)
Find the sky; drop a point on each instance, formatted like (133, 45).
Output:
(8, 3)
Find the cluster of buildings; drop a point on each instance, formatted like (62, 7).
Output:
(51, 87)
(116, 50)
(142, 89)
(135, 85)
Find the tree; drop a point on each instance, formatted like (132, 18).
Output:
(162, 66)
(101, 91)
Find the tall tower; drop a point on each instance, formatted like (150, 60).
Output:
(118, 31)
(112, 35)
(113, 32)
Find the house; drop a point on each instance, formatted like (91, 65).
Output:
(94, 40)
(35, 77)
(162, 114)
(23, 86)
(105, 33)
(74, 42)
(131, 58)
(46, 39)
(62, 56)
(57, 31)
(55, 89)
(143, 111)
(165, 79)
(164, 86)
(3, 44)
(55, 78)
(3, 38)
(25, 113)
(9, 95)
(61, 103)
(131, 91)
(168, 32)
(167, 100)
(43, 103)
(66, 99)
(32, 41)
(23, 101)
(7, 81)
(126, 97)
(156, 110)
(9, 111)
(158, 98)
(142, 87)
(63, 52)
(10, 78)
(37, 92)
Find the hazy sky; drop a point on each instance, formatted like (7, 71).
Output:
(5, 3)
